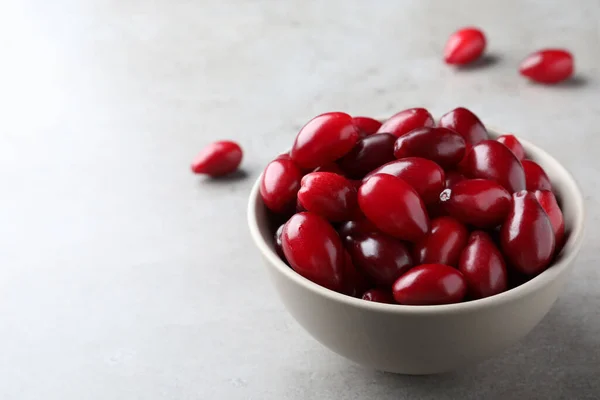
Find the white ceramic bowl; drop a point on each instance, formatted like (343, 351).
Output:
(425, 339)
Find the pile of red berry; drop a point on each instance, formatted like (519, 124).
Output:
(409, 212)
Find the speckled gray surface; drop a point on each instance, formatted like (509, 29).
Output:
(125, 277)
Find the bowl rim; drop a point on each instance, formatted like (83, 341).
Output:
(565, 258)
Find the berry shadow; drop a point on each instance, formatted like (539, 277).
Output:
(486, 61)
(576, 81)
(236, 176)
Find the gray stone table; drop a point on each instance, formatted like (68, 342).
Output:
(123, 276)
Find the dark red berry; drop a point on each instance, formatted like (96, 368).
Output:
(514, 145)
(380, 257)
(527, 237)
(492, 160)
(548, 202)
(479, 202)
(483, 267)
(314, 250)
(330, 195)
(331, 167)
(441, 145)
(217, 159)
(278, 244)
(430, 284)
(535, 176)
(366, 126)
(369, 153)
(280, 184)
(443, 244)
(453, 177)
(425, 176)
(355, 282)
(356, 227)
(379, 296)
(464, 46)
(323, 140)
(407, 120)
(466, 123)
(548, 66)
(394, 207)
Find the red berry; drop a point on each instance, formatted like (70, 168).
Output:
(407, 120)
(280, 184)
(278, 244)
(425, 176)
(453, 177)
(464, 46)
(443, 244)
(368, 154)
(535, 176)
(483, 267)
(466, 123)
(527, 237)
(492, 160)
(430, 284)
(550, 205)
(394, 207)
(479, 202)
(218, 158)
(314, 250)
(548, 66)
(380, 257)
(366, 126)
(513, 144)
(441, 145)
(324, 139)
(355, 282)
(356, 227)
(330, 195)
(379, 296)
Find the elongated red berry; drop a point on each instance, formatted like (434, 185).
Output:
(366, 126)
(368, 153)
(548, 66)
(314, 250)
(527, 237)
(217, 159)
(535, 176)
(324, 139)
(441, 145)
(513, 144)
(548, 202)
(330, 195)
(464, 46)
(442, 244)
(430, 284)
(394, 207)
(280, 184)
(407, 120)
(466, 123)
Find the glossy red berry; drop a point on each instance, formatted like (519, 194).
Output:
(379, 296)
(280, 184)
(356, 227)
(323, 140)
(548, 66)
(443, 244)
(466, 123)
(483, 266)
(514, 145)
(464, 46)
(330, 195)
(548, 202)
(217, 159)
(425, 176)
(366, 126)
(405, 121)
(380, 257)
(527, 237)
(369, 153)
(355, 282)
(314, 250)
(453, 177)
(479, 202)
(430, 284)
(492, 160)
(394, 207)
(535, 176)
(441, 145)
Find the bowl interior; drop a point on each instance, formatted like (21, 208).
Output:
(564, 186)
